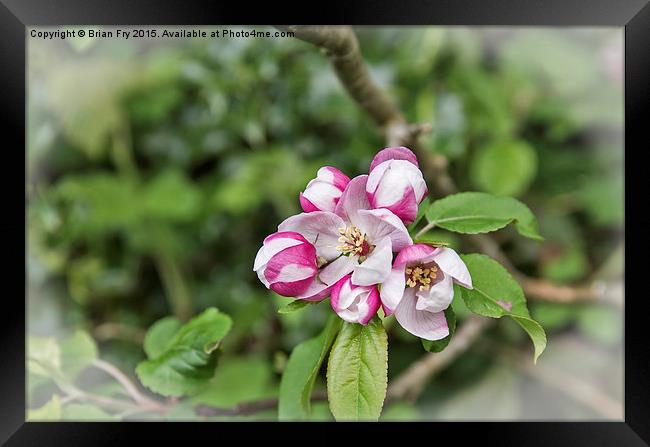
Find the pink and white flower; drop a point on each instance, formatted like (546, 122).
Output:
(324, 192)
(420, 287)
(354, 304)
(395, 182)
(354, 238)
(287, 264)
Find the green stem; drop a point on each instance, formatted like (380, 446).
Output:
(175, 286)
(122, 153)
(427, 227)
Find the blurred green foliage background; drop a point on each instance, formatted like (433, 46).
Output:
(157, 166)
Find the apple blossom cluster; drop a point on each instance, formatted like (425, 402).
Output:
(351, 243)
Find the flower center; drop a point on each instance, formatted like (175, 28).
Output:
(353, 242)
(421, 275)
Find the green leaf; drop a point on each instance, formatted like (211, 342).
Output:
(43, 356)
(504, 168)
(496, 294)
(301, 371)
(237, 380)
(439, 345)
(98, 202)
(51, 411)
(77, 353)
(477, 212)
(170, 196)
(294, 306)
(535, 331)
(357, 372)
(188, 361)
(159, 335)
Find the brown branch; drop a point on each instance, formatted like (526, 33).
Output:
(251, 407)
(596, 291)
(342, 48)
(411, 382)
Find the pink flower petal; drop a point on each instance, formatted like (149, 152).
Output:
(277, 272)
(317, 291)
(353, 199)
(334, 176)
(320, 228)
(392, 290)
(291, 289)
(323, 192)
(450, 263)
(290, 271)
(393, 153)
(354, 304)
(306, 205)
(344, 293)
(397, 185)
(274, 244)
(373, 303)
(405, 208)
(414, 254)
(423, 324)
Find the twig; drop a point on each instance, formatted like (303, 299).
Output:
(596, 291)
(411, 382)
(111, 330)
(251, 407)
(126, 383)
(424, 229)
(74, 393)
(341, 46)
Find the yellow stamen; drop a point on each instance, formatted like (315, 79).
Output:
(420, 276)
(353, 242)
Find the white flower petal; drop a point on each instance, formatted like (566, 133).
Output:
(437, 298)
(423, 324)
(392, 289)
(271, 248)
(376, 268)
(450, 263)
(320, 228)
(294, 272)
(381, 223)
(353, 199)
(337, 269)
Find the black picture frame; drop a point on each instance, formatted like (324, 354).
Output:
(633, 15)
